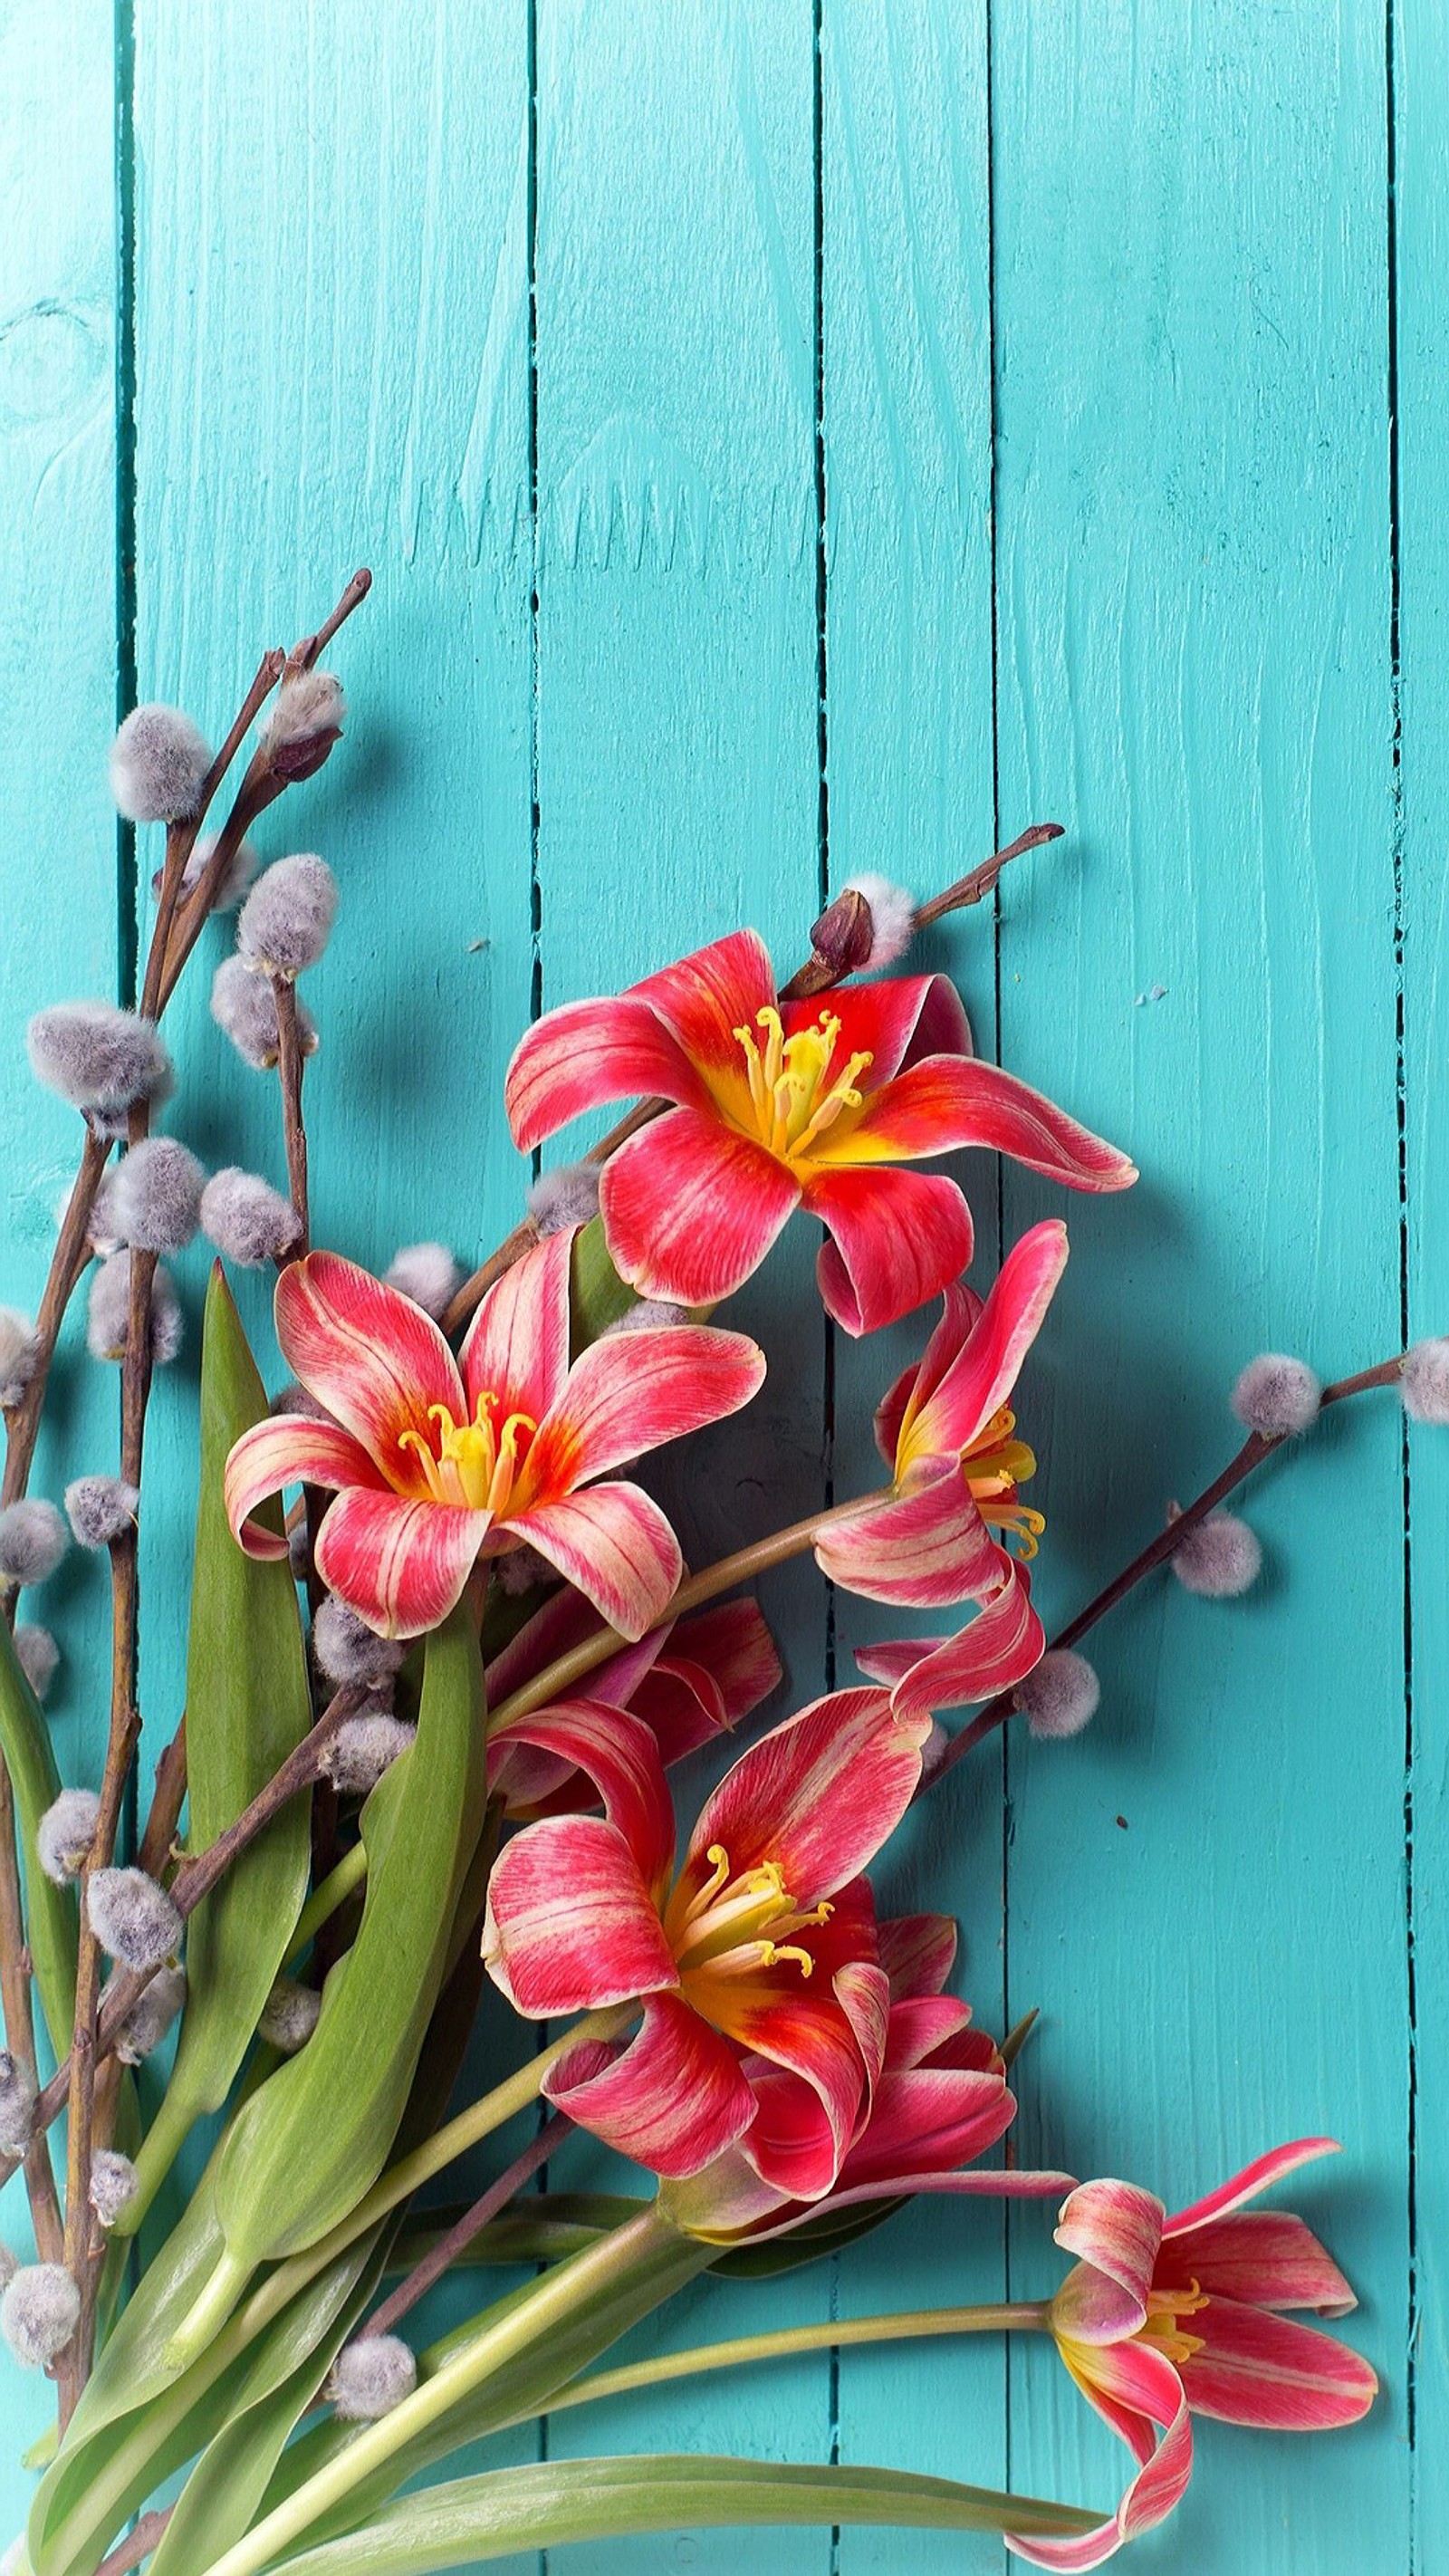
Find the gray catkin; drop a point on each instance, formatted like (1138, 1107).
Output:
(132, 1917)
(39, 2313)
(370, 2377)
(33, 1539)
(151, 2016)
(17, 2105)
(347, 1650)
(156, 1195)
(97, 1057)
(38, 1656)
(428, 1274)
(245, 1007)
(235, 879)
(246, 1218)
(287, 918)
(1219, 1558)
(1424, 1382)
(99, 1508)
(307, 716)
(362, 1749)
(65, 1833)
(114, 2184)
(19, 1352)
(108, 1312)
(159, 760)
(289, 2016)
(568, 1196)
(1277, 1396)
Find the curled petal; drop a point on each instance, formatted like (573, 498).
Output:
(915, 1386)
(517, 1348)
(816, 1796)
(619, 1756)
(1265, 2256)
(690, 1207)
(1269, 2372)
(917, 1952)
(674, 2100)
(588, 1052)
(995, 1650)
(947, 1101)
(1155, 2492)
(400, 1565)
(290, 1449)
(734, 1645)
(1115, 2229)
(811, 2037)
(634, 1391)
(897, 1238)
(886, 1020)
(980, 1379)
(920, 1548)
(570, 1923)
(615, 1545)
(1259, 2176)
(369, 1355)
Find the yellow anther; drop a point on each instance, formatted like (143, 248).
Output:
(772, 1953)
(792, 1099)
(767, 1880)
(719, 1861)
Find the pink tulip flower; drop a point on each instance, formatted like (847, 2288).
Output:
(786, 1105)
(438, 1461)
(761, 1953)
(1165, 2318)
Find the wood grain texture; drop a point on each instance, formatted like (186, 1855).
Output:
(569, 320)
(58, 634)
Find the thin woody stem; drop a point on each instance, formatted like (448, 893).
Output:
(1158, 1551)
(167, 1798)
(817, 975)
(290, 1065)
(20, 2031)
(460, 2235)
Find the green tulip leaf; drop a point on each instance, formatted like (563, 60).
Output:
(51, 1916)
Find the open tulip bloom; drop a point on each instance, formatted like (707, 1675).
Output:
(784, 1105)
(1165, 2318)
(437, 1461)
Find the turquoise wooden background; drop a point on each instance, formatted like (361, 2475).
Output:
(787, 445)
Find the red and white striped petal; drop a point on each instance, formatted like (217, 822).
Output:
(952, 1417)
(632, 1392)
(883, 1020)
(734, 1645)
(1257, 2177)
(1115, 2229)
(400, 1565)
(681, 1706)
(817, 1796)
(615, 1545)
(922, 2025)
(897, 1238)
(947, 1101)
(369, 1355)
(1155, 2492)
(691, 1207)
(920, 1549)
(588, 1052)
(570, 1923)
(674, 2100)
(1269, 2372)
(517, 1348)
(917, 1952)
(915, 1386)
(811, 2036)
(289, 1449)
(993, 1652)
(1264, 2256)
(618, 1755)
(705, 997)
(928, 2120)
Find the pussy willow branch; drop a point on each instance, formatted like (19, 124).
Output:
(1158, 1551)
(290, 1065)
(432, 2265)
(817, 975)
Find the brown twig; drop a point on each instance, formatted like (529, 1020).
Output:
(291, 1062)
(168, 1795)
(138, 2544)
(20, 2031)
(352, 597)
(1157, 1552)
(817, 975)
(432, 2265)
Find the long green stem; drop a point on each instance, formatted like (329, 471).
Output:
(559, 1678)
(323, 1903)
(557, 2298)
(906, 2325)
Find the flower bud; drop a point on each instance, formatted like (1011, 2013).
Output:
(370, 2377)
(37, 1654)
(842, 938)
(132, 1917)
(99, 1508)
(236, 877)
(307, 717)
(289, 2016)
(287, 918)
(156, 1195)
(114, 2184)
(362, 1749)
(17, 2106)
(108, 1313)
(246, 1218)
(1219, 1557)
(1059, 1696)
(565, 1197)
(159, 760)
(245, 1007)
(39, 2313)
(1277, 1396)
(33, 1539)
(892, 915)
(347, 1650)
(428, 1274)
(647, 1315)
(19, 1352)
(151, 2016)
(97, 1057)
(1424, 1382)
(65, 1833)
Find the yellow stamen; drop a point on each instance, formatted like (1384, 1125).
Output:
(469, 1466)
(792, 1097)
(771, 1954)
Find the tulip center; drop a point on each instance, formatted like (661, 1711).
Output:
(1165, 2309)
(993, 1469)
(471, 1466)
(792, 1094)
(732, 1926)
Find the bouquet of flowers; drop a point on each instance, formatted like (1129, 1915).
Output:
(446, 1671)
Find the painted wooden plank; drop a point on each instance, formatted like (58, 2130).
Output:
(57, 712)
(907, 414)
(678, 779)
(1206, 1893)
(332, 370)
(1421, 86)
